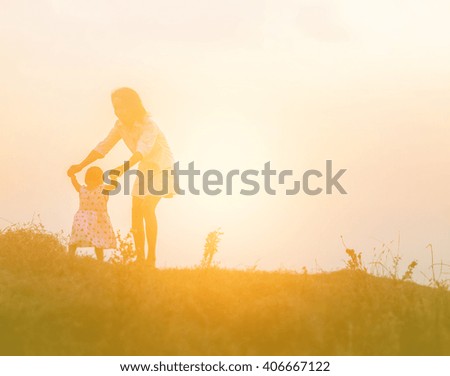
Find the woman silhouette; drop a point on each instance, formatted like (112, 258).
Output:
(150, 149)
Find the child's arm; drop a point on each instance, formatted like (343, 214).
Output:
(75, 183)
(112, 183)
(108, 188)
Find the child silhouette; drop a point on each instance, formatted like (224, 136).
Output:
(91, 224)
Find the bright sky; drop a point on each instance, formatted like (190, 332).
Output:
(235, 84)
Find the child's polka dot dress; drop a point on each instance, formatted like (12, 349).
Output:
(91, 224)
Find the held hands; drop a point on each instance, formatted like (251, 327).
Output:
(120, 170)
(117, 172)
(73, 170)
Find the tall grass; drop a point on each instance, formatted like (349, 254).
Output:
(387, 263)
(53, 304)
(211, 248)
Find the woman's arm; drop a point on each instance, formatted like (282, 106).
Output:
(144, 147)
(135, 158)
(99, 151)
(92, 157)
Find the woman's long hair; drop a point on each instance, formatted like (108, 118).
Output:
(132, 100)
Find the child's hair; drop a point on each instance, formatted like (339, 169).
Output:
(94, 176)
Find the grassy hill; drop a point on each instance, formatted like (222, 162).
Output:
(51, 304)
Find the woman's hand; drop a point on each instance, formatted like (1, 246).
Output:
(120, 170)
(74, 169)
(117, 172)
(92, 157)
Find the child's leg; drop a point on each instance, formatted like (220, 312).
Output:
(99, 253)
(137, 227)
(72, 249)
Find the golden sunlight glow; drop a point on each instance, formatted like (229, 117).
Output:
(294, 83)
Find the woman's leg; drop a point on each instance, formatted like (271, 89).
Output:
(151, 227)
(137, 227)
(99, 253)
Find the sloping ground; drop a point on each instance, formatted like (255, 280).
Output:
(51, 304)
